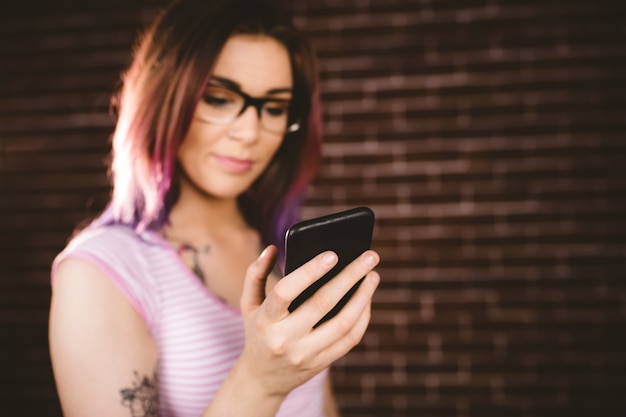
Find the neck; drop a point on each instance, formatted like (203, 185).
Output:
(197, 217)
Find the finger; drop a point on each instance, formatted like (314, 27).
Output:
(335, 328)
(335, 338)
(288, 288)
(349, 340)
(253, 291)
(327, 297)
(344, 344)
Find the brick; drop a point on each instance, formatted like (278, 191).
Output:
(488, 139)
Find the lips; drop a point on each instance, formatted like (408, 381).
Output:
(234, 165)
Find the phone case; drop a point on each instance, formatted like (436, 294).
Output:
(347, 233)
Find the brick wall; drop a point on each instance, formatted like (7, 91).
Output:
(487, 136)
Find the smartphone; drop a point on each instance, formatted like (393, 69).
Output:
(347, 233)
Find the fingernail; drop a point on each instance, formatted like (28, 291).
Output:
(263, 254)
(329, 258)
(369, 259)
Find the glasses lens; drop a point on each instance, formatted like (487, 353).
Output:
(275, 115)
(221, 104)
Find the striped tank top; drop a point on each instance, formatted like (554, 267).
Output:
(197, 335)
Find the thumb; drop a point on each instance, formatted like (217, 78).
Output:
(253, 292)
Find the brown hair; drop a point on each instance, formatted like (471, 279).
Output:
(172, 65)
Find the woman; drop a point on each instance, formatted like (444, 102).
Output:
(163, 306)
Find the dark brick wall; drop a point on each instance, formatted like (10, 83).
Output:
(488, 137)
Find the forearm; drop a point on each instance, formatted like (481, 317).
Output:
(239, 396)
(284, 350)
(330, 404)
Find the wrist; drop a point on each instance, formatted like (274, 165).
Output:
(244, 372)
(243, 395)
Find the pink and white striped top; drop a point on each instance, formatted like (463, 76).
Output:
(198, 336)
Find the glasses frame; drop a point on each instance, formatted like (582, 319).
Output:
(257, 103)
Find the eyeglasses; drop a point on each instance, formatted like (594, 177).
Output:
(222, 105)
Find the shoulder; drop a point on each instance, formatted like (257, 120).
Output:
(97, 339)
(86, 289)
(114, 249)
(111, 237)
(111, 257)
(82, 284)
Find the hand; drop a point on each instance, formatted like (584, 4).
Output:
(283, 350)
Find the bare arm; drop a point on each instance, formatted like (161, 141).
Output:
(104, 359)
(330, 404)
(282, 349)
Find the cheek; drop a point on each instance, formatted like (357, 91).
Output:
(186, 157)
(196, 143)
(269, 150)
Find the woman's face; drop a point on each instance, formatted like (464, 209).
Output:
(223, 160)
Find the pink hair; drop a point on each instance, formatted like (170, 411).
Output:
(171, 68)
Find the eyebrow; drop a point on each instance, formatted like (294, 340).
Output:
(235, 86)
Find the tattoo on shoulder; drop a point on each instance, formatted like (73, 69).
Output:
(142, 399)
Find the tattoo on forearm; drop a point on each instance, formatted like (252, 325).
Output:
(143, 398)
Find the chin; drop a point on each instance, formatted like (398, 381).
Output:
(227, 189)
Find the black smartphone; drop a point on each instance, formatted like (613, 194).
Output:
(347, 233)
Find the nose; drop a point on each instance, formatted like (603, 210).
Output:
(246, 126)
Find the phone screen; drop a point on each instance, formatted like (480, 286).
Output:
(347, 233)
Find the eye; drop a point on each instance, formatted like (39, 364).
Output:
(219, 97)
(276, 109)
(215, 101)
